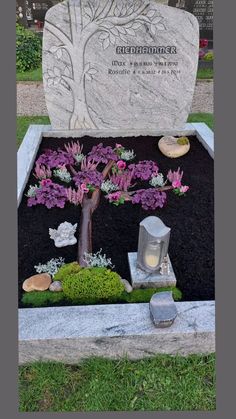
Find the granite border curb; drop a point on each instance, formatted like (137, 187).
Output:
(69, 334)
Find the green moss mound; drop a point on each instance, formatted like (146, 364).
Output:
(67, 270)
(89, 285)
(42, 298)
(183, 141)
(209, 56)
(48, 298)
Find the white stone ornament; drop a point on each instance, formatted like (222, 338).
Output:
(173, 147)
(64, 234)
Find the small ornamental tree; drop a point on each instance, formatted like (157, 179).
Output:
(104, 170)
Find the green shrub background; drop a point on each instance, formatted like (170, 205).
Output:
(28, 49)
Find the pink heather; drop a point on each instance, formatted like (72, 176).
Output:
(176, 184)
(174, 176)
(84, 188)
(114, 196)
(46, 182)
(119, 146)
(184, 189)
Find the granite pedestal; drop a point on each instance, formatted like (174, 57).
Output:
(141, 279)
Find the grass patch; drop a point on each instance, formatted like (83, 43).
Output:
(208, 118)
(48, 298)
(161, 383)
(205, 73)
(36, 75)
(32, 75)
(23, 122)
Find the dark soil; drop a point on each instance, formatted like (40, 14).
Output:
(115, 229)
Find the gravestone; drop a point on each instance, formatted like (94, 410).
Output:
(202, 9)
(114, 64)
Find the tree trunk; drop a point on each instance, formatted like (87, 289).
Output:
(85, 237)
(89, 205)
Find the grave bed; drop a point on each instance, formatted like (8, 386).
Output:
(191, 247)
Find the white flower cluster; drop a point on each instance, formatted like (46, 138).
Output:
(32, 191)
(107, 186)
(127, 155)
(62, 174)
(51, 267)
(97, 260)
(78, 157)
(157, 180)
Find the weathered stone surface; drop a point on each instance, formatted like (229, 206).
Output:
(119, 64)
(55, 286)
(69, 334)
(163, 309)
(170, 147)
(39, 282)
(127, 285)
(141, 279)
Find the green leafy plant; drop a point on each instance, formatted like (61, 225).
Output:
(209, 56)
(28, 49)
(89, 284)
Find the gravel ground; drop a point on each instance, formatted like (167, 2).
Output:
(30, 98)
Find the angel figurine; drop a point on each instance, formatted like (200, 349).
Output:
(64, 234)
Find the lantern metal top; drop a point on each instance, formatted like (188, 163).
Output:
(155, 226)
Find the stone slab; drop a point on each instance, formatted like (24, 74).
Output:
(69, 334)
(119, 64)
(141, 279)
(206, 136)
(26, 155)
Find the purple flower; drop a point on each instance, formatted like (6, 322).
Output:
(150, 199)
(114, 197)
(92, 177)
(52, 158)
(49, 194)
(102, 154)
(144, 169)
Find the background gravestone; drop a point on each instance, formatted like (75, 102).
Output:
(114, 64)
(202, 9)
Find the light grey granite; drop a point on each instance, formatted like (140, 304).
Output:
(95, 76)
(26, 155)
(69, 334)
(163, 309)
(142, 279)
(106, 133)
(205, 136)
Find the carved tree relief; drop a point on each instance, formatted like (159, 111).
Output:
(114, 19)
